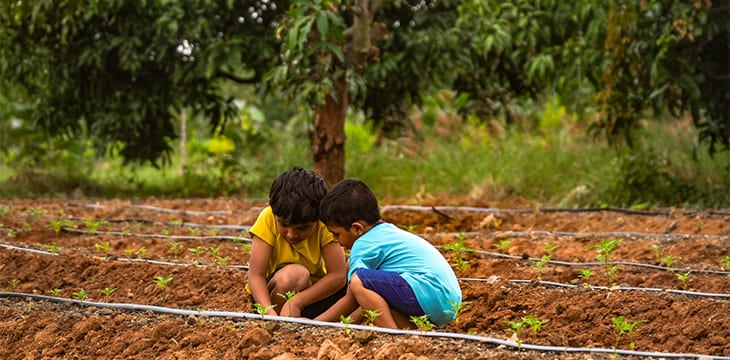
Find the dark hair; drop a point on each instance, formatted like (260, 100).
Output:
(295, 195)
(348, 201)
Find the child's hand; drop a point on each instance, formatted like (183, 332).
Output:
(291, 309)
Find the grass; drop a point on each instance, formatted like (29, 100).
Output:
(450, 160)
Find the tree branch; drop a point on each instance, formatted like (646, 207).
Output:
(237, 79)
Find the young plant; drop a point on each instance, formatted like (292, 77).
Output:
(175, 248)
(503, 245)
(14, 282)
(55, 291)
(605, 249)
(550, 248)
(162, 281)
(458, 309)
(624, 328)
(197, 250)
(347, 320)
(371, 315)
(213, 231)
(81, 294)
(422, 322)
(459, 252)
(668, 261)
(93, 225)
(542, 262)
(289, 294)
(586, 275)
(534, 323)
(657, 252)
(103, 246)
(107, 292)
(165, 231)
(58, 225)
(684, 278)
(262, 310)
(52, 248)
(222, 261)
(725, 261)
(214, 250)
(194, 231)
(530, 321)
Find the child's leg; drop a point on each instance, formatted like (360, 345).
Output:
(388, 293)
(292, 277)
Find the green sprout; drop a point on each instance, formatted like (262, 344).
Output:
(371, 315)
(196, 250)
(684, 278)
(422, 322)
(503, 245)
(542, 262)
(289, 294)
(586, 275)
(194, 230)
(222, 261)
(605, 249)
(58, 225)
(550, 248)
(176, 222)
(14, 282)
(165, 231)
(107, 291)
(530, 321)
(103, 246)
(52, 248)
(624, 328)
(93, 226)
(55, 291)
(657, 252)
(725, 260)
(4, 210)
(459, 252)
(262, 310)
(162, 281)
(457, 309)
(213, 251)
(668, 261)
(213, 231)
(175, 248)
(81, 294)
(347, 320)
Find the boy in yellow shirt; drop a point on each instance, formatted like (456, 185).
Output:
(293, 252)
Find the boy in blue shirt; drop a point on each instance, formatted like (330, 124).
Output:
(392, 271)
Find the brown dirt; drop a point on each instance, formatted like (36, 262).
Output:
(500, 283)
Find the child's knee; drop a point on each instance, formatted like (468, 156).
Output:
(291, 277)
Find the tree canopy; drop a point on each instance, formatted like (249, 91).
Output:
(119, 71)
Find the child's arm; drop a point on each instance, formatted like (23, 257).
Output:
(344, 307)
(334, 259)
(258, 263)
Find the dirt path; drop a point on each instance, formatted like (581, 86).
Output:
(668, 274)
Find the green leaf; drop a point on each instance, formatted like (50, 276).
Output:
(322, 26)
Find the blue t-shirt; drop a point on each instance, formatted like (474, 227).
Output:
(388, 248)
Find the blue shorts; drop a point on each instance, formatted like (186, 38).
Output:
(393, 288)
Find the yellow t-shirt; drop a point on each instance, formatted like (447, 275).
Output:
(307, 252)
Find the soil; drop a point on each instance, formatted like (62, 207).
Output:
(516, 263)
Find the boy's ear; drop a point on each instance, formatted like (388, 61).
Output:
(358, 228)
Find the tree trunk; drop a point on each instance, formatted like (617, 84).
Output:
(328, 137)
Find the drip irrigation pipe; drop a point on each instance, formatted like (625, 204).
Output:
(166, 223)
(514, 281)
(591, 264)
(613, 234)
(443, 209)
(158, 236)
(303, 321)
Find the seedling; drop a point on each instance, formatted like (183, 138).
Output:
(11, 233)
(503, 245)
(542, 262)
(605, 249)
(165, 231)
(162, 281)
(129, 252)
(104, 246)
(531, 321)
(668, 261)
(622, 328)
(550, 248)
(684, 278)
(4, 210)
(246, 247)
(262, 310)
(141, 251)
(14, 282)
(126, 232)
(458, 309)
(107, 291)
(725, 260)
(58, 225)
(197, 250)
(422, 322)
(81, 294)
(289, 294)
(194, 231)
(460, 250)
(93, 226)
(213, 231)
(36, 213)
(411, 228)
(213, 251)
(586, 275)
(371, 315)
(55, 291)
(176, 222)
(347, 320)
(52, 248)
(175, 248)
(222, 261)
(657, 252)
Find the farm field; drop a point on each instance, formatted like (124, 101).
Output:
(165, 279)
